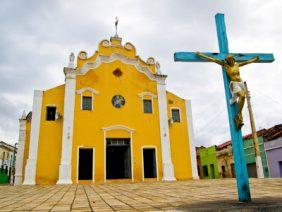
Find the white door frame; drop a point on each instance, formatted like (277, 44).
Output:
(156, 158)
(118, 127)
(93, 162)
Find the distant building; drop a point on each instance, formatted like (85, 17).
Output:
(199, 166)
(209, 163)
(218, 161)
(250, 154)
(7, 153)
(273, 148)
(225, 160)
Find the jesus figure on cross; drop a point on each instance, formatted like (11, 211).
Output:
(237, 87)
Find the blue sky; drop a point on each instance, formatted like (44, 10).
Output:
(38, 36)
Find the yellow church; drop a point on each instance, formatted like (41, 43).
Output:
(112, 120)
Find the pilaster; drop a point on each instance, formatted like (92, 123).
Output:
(190, 130)
(30, 168)
(68, 117)
(168, 168)
(20, 151)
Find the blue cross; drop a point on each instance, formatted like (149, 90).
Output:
(236, 136)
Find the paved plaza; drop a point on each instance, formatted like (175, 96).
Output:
(190, 195)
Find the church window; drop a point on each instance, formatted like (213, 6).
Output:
(118, 101)
(175, 113)
(50, 113)
(86, 103)
(147, 106)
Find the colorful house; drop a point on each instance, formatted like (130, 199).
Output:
(250, 154)
(7, 157)
(209, 162)
(273, 149)
(112, 119)
(225, 159)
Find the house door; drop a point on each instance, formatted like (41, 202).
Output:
(118, 159)
(252, 170)
(85, 164)
(149, 163)
(212, 171)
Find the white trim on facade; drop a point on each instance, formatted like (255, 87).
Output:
(190, 131)
(113, 57)
(30, 168)
(146, 93)
(93, 162)
(156, 158)
(67, 138)
(20, 152)
(168, 168)
(118, 127)
(92, 90)
(152, 97)
(82, 90)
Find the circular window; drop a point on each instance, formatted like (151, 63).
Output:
(118, 101)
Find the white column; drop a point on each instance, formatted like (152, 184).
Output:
(190, 129)
(20, 152)
(168, 169)
(68, 116)
(30, 168)
(259, 167)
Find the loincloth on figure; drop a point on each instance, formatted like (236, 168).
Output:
(235, 87)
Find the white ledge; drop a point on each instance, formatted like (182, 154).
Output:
(147, 94)
(113, 57)
(118, 127)
(92, 90)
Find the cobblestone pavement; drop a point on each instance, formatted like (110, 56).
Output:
(181, 195)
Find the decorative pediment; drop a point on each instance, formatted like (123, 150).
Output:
(82, 90)
(112, 50)
(113, 57)
(147, 94)
(118, 127)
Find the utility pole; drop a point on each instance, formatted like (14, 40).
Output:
(259, 166)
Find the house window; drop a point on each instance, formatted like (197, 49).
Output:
(86, 103)
(147, 106)
(175, 113)
(50, 113)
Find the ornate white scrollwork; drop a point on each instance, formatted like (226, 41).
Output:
(151, 61)
(129, 46)
(106, 43)
(82, 55)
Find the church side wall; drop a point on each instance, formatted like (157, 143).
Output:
(180, 148)
(50, 138)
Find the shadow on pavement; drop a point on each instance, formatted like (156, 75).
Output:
(257, 204)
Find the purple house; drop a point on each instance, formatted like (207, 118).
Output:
(273, 149)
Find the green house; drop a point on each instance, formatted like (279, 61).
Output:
(209, 163)
(250, 156)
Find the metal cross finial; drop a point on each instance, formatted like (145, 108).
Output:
(116, 24)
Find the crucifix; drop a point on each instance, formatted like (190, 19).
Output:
(235, 95)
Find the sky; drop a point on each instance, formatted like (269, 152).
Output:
(36, 38)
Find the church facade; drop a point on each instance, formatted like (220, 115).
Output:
(112, 119)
